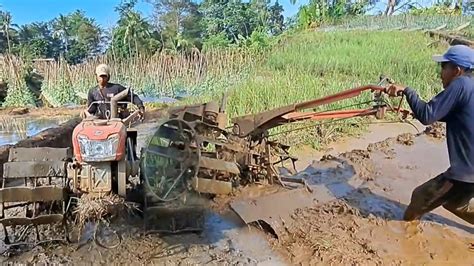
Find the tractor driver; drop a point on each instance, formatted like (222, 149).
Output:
(104, 92)
(454, 188)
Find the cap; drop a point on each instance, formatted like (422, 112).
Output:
(460, 55)
(102, 69)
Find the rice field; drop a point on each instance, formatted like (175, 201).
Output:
(299, 67)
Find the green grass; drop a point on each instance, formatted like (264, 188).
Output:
(315, 64)
(405, 21)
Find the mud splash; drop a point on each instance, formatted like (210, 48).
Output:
(436, 130)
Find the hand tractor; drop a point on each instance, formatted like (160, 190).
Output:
(191, 154)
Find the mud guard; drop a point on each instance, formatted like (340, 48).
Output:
(275, 210)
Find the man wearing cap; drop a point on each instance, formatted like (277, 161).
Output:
(105, 91)
(453, 189)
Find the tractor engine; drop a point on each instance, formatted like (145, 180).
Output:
(104, 157)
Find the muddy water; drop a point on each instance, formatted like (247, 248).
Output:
(375, 133)
(13, 130)
(364, 193)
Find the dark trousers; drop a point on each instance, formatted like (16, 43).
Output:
(455, 196)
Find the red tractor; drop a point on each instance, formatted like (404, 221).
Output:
(105, 151)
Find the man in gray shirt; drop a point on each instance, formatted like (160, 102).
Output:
(105, 91)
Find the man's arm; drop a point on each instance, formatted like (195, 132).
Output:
(136, 100)
(438, 107)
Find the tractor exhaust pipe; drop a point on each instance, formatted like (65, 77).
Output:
(114, 103)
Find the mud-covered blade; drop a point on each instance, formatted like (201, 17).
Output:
(274, 209)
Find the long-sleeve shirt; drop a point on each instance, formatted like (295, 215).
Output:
(106, 94)
(454, 106)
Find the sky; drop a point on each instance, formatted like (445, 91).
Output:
(27, 11)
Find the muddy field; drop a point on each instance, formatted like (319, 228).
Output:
(362, 197)
(360, 189)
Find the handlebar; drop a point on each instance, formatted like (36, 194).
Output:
(126, 120)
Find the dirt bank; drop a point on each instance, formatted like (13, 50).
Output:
(57, 137)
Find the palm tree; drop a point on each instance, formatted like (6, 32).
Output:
(136, 29)
(61, 30)
(6, 27)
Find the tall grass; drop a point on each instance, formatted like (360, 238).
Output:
(156, 76)
(404, 21)
(315, 64)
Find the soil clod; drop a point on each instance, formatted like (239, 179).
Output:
(436, 130)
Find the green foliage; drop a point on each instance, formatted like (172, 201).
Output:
(259, 40)
(318, 12)
(74, 36)
(276, 21)
(238, 20)
(63, 91)
(216, 41)
(440, 8)
(312, 65)
(78, 35)
(133, 35)
(18, 94)
(179, 22)
(395, 22)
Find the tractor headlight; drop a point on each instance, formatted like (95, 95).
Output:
(99, 150)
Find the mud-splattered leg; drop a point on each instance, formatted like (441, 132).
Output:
(461, 201)
(428, 197)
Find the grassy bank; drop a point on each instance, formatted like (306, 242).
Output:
(315, 64)
(403, 22)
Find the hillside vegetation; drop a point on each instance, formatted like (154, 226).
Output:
(311, 65)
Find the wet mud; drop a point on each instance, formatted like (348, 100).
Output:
(336, 233)
(360, 219)
(437, 130)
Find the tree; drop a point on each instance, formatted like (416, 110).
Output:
(235, 19)
(61, 31)
(321, 11)
(276, 19)
(179, 23)
(35, 40)
(79, 35)
(133, 34)
(6, 28)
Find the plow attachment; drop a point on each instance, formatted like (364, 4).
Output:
(197, 153)
(273, 212)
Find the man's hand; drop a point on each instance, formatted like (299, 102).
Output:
(395, 90)
(85, 114)
(141, 113)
